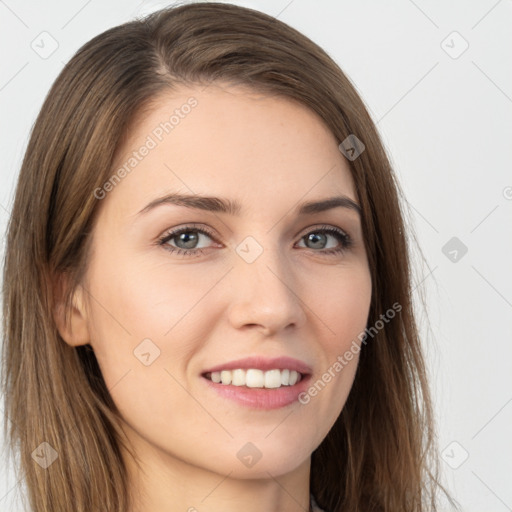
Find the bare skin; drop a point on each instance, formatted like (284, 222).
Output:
(203, 309)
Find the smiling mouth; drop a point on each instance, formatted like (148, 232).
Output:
(255, 378)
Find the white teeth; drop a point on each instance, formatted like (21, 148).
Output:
(238, 378)
(273, 379)
(225, 377)
(254, 378)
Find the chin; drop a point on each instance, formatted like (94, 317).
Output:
(260, 459)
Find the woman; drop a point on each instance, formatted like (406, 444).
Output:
(206, 288)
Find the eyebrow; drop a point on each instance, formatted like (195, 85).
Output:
(221, 205)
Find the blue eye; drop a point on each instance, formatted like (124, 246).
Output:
(319, 240)
(186, 237)
(184, 241)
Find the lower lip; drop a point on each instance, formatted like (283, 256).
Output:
(261, 398)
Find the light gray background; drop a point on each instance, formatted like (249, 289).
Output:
(445, 117)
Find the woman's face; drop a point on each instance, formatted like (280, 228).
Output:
(263, 281)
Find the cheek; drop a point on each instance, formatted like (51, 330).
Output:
(152, 300)
(146, 326)
(138, 309)
(343, 304)
(342, 312)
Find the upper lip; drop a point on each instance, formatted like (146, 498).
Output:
(263, 363)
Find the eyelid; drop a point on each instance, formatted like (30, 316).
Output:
(193, 226)
(321, 227)
(346, 239)
(208, 231)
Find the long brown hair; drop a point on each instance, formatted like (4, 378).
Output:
(379, 454)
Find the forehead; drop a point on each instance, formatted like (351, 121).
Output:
(230, 141)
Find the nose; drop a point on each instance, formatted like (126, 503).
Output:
(265, 293)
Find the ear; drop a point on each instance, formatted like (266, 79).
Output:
(72, 327)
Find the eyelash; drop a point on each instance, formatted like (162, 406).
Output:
(344, 239)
